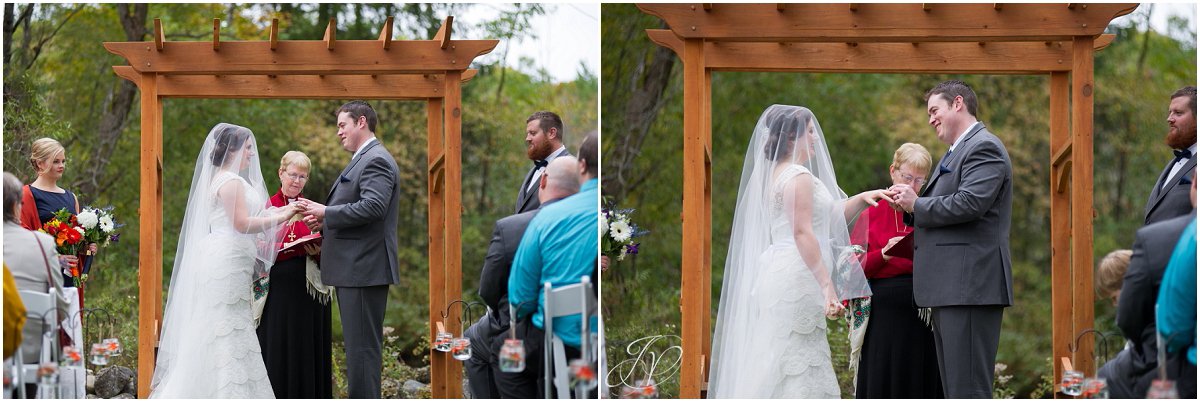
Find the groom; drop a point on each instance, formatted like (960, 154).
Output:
(358, 256)
(961, 259)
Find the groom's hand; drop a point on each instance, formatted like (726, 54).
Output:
(906, 197)
(311, 208)
(313, 224)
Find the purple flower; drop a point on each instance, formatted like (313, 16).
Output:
(115, 237)
(632, 248)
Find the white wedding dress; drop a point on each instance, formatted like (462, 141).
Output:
(791, 307)
(210, 346)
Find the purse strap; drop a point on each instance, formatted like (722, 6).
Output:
(42, 250)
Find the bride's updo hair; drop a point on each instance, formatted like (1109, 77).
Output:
(229, 140)
(784, 129)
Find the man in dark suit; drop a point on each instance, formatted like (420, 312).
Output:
(1169, 196)
(961, 257)
(359, 253)
(483, 369)
(1129, 375)
(544, 142)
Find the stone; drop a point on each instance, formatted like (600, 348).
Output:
(90, 383)
(466, 390)
(390, 389)
(111, 381)
(422, 374)
(131, 388)
(91, 396)
(413, 389)
(123, 396)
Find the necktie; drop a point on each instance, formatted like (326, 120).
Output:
(540, 163)
(942, 163)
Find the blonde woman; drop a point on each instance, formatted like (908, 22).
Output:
(294, 331)
(42, 198)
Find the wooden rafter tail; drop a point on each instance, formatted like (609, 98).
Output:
(216, 34)
(667, 39)
(445, 32)
(385, 35)
(469, 74)
(330, 34)
(274, 33)
(159, 38)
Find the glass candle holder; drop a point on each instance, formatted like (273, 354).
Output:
(641, 389)
(71, 356)
(1162, 389)
(99, 357)
(112, 347)
(1095, 388)
(47, 381)
(1072, 383)
(512, 356)
(460, 348)
(442, 342)
(582, 373)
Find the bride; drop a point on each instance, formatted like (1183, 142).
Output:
(208, 347)
(790, 264)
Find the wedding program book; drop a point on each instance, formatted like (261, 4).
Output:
(903, 248)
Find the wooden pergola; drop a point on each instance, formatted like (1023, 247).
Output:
(1059, 40)
(415, 70)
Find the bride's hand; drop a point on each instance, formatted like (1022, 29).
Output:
(833, 305)
(873, 197)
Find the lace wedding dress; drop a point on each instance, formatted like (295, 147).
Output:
(208, 347)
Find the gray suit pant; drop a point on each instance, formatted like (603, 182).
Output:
(967, 338)
(362, 311)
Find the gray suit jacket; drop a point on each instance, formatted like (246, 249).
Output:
(1139, 290)
(27, 262)
(527, 198)
(493, 278)
(962, 221)
(360, 247)
(1175, 200)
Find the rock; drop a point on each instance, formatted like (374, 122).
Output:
(123, 396)
(91, 396)
(413, 389)
(131, 388)
(390, 389)
(111, 381)
(466, 384)
(422, 374)
(90, 383)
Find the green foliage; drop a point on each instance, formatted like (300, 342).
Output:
(865, 118)
(63, 93)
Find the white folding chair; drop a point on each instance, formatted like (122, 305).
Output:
(41, 309)
(565, 301)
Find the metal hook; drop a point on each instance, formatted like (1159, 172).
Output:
(1102, 338)
(512, 318)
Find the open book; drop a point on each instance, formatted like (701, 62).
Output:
(299, 243)
(903, 248)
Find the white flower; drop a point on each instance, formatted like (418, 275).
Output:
(624, 251)
(87, 218)
(620, 231)
(603, 222)
(106, 224)
(80, 230)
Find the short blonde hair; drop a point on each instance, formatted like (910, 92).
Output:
(42, 150)
(1110, 272)
(295, 158)
(914, 155)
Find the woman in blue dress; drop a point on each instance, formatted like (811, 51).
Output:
(42, 198)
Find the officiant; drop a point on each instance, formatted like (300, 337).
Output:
(294, 328)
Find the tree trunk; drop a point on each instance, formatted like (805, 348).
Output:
(117, 105)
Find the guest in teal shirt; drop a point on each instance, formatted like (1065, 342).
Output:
(559, 246)
(1177, 297)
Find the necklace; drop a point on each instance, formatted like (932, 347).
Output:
(898, 223)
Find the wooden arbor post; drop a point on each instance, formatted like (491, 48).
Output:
(1054, 39)
(423, 70)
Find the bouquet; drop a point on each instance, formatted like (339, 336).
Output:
(68, 236)
(73, 233)
(99, 226)
(618, 233)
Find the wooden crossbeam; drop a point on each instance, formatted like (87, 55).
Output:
(216, 43)
(889, 22)
(159, 38)
(780, 7)
(926, 7)
(385, 35)
(330, 34)
(445, 32)
(933, 57)
(304, 57)
(274, 33)
(998, 6)
(391, 87)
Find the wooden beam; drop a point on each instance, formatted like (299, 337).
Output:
(159, 38)
(303, 57)
(439, 362)
(445, 32)
(1082, 212)
(694, 289)
(780, 7)
(708, 6)
(216, 42)
(998, 6)
(926, 7)
(853, 7)
(706, 225)
(385, 35)
(453, 221)
(150, 231)
(1062, 328)
(330, 34)
(1102, 41)
(392, 87)
(274, 33)
(934, 57)
(889, 22)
